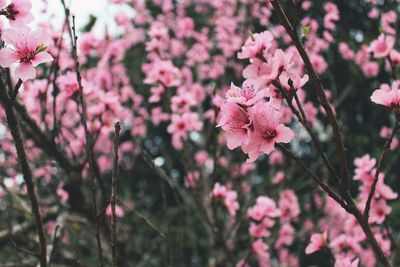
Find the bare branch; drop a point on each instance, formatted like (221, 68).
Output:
(117, 127)
(15, 129)
(378, 169)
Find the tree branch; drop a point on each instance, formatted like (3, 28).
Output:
(319, 90)
(15, 129)
(117, 127)
(385, 149)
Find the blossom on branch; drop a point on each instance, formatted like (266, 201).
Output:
(26, 50)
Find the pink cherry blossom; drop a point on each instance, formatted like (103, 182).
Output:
(18, 12)
(231, 202)
(260, 248)
(26, 49)
(163, 72)
(219, 191)
(382, 46)
(62, 194)
(191, 179)
(248, 94)
(256, 44)
(388, 96)
(317, 242)
(229, 198)
(268, 130)
(265, 207)
(119, 212)
(235, 122)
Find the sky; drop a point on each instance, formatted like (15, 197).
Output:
(82, 9)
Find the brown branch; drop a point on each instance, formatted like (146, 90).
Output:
(89, 151)
(319, 90)
(385, 149)
(42, 141)
(371, 238)
(25, 251)
(146, 220)
(117, 127)
(15, 129)
(55, 242)
(324, 186)
(16, 90)
(301, 116)
(18, 229)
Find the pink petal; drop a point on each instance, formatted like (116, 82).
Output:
(284, 134)
(311, 249)
(25, 71)
(381, 97)
(40, 58)
(3, 3)
(234, 139)
(7, 57)
(11, 36)
(267, 147)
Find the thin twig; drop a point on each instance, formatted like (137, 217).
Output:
(378, 170)
(55, 242)
(146, 220)
(16, 90)
(41, 140)
(20, 249)
(303, 120)
(89, 151)
(324, 186)
(319, 90)
(117, 127)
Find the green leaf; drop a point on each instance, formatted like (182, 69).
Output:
(305, 30)
(41, 48)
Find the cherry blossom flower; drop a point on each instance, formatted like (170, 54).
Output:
(255, 44)
(388, 96)
(119, 212)
(247, 95)
(265, 207)
(268, 130)
(164, 72)
(229, 198)
(317, 242)
(27, 50)
(382, 46)
(18, 12)
(260, 248)
(191, 179)
(235, 122)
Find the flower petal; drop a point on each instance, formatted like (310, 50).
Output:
(284, 134)
(7, 57)
(25, 71)
(40, 58)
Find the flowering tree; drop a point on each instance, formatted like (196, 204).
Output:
(201, 133)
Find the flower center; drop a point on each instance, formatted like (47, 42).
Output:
(11, 13)
(26, 56)
(181, 126)
(269, 134)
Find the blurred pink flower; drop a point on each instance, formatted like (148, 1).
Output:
(382, 46)
(317, 242)
(386, 95)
